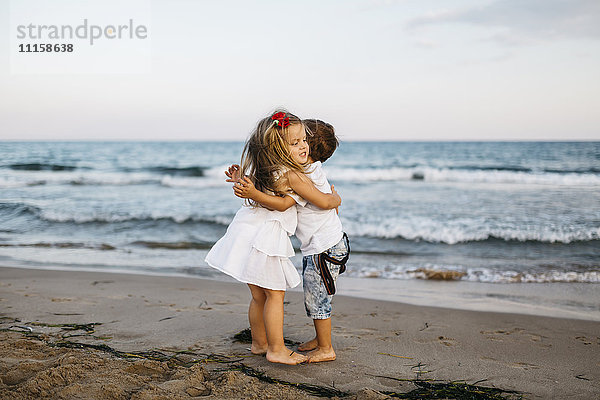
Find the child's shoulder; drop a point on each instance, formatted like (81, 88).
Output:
(314, 168)
(315, 165)
(315, 172)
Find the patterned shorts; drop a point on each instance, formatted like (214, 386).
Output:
(316, 300)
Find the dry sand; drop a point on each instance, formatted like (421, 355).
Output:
(376, 342)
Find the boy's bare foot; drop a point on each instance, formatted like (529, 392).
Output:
(320, 355)
(286, 356)
(308, 346)
(258, 350)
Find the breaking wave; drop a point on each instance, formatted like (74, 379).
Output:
(13, 210)
(478, 175)
(197, 176)
(408, 228)
(453, 232)
(192, 177)
(487, 275)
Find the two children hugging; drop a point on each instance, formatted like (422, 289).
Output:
(286, 192)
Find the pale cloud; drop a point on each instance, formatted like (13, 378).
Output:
(427, 43)
(522, 22)
(385, 2)
(371, 5)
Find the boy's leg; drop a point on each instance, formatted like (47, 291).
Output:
(256, 319)
(318, 303)
(311, 344)
(273, 317)
(318, 307)
(324, 350)
(309, 280)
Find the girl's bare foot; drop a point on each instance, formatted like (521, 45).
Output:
(286, 356)
(308, 346)
(258, 350)
(320, 355)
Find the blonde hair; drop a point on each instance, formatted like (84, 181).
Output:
(266, 155)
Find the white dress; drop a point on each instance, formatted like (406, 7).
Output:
(256, 248)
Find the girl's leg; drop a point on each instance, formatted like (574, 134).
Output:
(257, 322)
(273, 317)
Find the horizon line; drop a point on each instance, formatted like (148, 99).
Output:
(341, 140)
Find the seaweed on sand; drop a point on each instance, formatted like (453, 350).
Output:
(454, 390)
(27, 329)
(176, 358)
(245, 336)
(457, 390)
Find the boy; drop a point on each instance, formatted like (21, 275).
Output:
(325, 247)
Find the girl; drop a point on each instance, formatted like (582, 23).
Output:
(256, 247)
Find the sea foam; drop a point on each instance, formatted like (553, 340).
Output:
(429, 174)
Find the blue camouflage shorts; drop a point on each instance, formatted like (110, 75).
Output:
(316, 300)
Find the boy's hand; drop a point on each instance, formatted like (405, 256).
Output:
(244, 188)
(233, 173)
(335, 194)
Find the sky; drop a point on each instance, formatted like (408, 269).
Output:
(376, 69)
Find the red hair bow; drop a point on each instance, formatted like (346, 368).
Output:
(281, 119)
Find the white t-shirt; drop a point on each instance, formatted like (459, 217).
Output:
(318, 229)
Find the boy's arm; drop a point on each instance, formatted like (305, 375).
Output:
(246, 190)
(306, 189)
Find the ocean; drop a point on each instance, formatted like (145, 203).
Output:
(502, 213)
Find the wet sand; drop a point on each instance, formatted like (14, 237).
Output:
(377, 343)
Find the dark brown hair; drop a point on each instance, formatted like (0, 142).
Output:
(321, 139)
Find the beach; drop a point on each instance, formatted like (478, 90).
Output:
(382, 346)
(462, 138)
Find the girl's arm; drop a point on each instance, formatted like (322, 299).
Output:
(246, 190)
(305, 188)
(233, 173)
